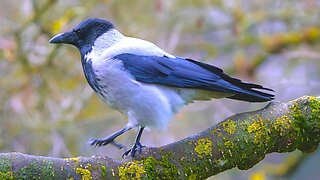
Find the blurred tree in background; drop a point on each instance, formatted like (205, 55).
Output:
(47, 108)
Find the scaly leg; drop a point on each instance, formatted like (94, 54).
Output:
(137, 146)
(110, 139)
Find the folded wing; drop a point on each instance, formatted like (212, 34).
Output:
(188, 73)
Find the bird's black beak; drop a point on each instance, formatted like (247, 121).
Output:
(69, 37)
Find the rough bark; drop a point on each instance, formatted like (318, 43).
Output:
(241, 140)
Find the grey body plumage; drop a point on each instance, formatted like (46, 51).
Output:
(144, 82)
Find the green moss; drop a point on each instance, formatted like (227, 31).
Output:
(229, 126)
(314, 104)
(228, 143)
(162, 168)
(194, 172)
(306, 122)
(204, 147)
(192, 177)
(85, 173)
(103, 171)
(296, 113)
(149, 168)
(47, 169)
(230, 151)
(150, 165)
(131, 170)
(283, 134)
(300, 126)
(6, 175)
(6, 165)
(34, 170)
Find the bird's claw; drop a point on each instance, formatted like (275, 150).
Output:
(103, 142)
(100, 142)
(137, 147)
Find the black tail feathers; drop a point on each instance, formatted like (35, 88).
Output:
(251, 93)
(261, 97)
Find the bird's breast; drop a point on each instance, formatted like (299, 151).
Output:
(91, 77)
(110, 81)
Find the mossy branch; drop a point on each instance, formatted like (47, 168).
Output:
(239, 141)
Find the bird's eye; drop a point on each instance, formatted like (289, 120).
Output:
(77, 31)
(80, 33)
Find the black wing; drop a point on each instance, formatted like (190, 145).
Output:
(187, 73)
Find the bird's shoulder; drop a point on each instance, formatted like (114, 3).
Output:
(130, 45)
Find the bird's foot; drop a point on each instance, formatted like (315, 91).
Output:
(104, 141)
(137, 147)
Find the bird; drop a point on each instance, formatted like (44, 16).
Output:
(145, 83)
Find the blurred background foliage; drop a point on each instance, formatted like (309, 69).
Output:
(47, 108)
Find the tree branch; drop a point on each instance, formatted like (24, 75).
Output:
(239, 141)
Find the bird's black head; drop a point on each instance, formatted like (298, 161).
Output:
(84, 34)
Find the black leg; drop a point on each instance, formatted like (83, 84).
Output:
(110, 139)
(137, 146)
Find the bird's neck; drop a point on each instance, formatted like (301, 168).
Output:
(102, 43)
(107, 40)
